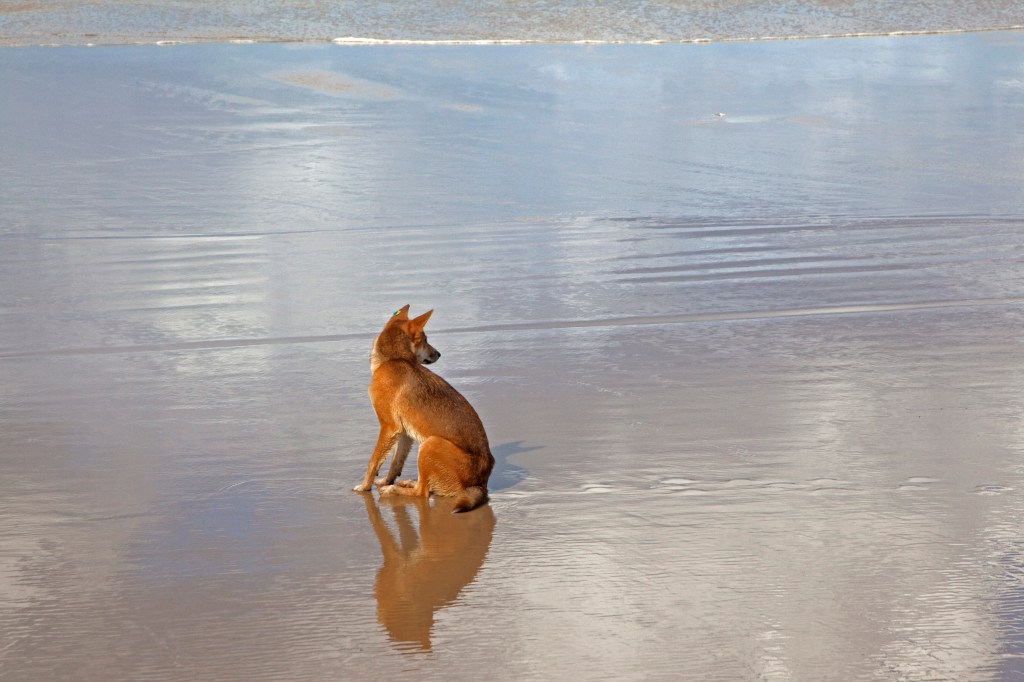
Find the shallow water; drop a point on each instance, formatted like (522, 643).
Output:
(80, 22)
(753, 381)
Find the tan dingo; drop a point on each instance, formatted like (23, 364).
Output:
(412, 402)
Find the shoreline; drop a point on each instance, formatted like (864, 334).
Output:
(512, 42)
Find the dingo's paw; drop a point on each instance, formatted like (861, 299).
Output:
(406, 484)
(362, 488)
(386, 489)
(382, 481)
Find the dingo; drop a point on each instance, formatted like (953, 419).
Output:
(412, 402)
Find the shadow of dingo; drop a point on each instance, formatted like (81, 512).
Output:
(424, 573)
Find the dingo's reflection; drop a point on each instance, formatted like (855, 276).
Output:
(424, 574)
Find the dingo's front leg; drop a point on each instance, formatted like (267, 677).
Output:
(385, 441)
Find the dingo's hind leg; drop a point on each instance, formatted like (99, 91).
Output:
(444, 469)
(433, 471)
(397, 461)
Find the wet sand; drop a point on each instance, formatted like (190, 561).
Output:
(753, 380)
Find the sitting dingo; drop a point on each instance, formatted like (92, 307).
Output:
(412, 402)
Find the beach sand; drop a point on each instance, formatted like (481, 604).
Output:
(743, 322)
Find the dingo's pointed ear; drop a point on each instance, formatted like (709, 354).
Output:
(402, 313)
(421, 321)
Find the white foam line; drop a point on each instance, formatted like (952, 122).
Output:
(353, 40)
(358, 40)
(646, 320)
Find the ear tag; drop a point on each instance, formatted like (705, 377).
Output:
(395, 313)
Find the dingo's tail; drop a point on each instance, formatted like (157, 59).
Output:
(470, 499)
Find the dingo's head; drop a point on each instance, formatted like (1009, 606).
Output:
(404, 339)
